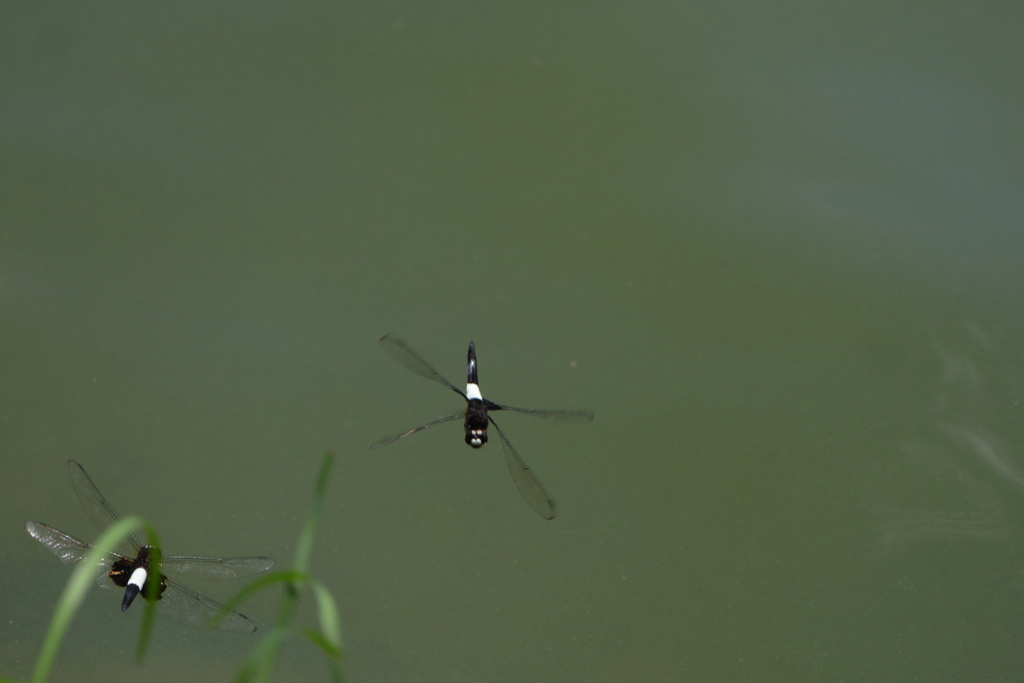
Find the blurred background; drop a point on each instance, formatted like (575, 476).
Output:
(776, 249)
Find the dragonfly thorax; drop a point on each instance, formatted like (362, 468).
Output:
(476, 423)
(135, 575)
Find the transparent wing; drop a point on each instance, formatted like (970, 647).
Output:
(525, 480)
(184, 605)
(553, 415)
(178, 602)
(96, 507)
(399, 350)
(436, 421)
(215, 568)
(72, 551)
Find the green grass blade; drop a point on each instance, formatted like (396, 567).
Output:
(259, 666)
(288, 577)
(330, 622)
(151, 597)
(82, 577)
(305, 546)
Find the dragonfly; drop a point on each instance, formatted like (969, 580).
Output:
(477, 418)
(132, 568)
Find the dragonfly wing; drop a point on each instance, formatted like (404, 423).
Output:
(215, 568)
(184, 605)
(436, 421)
(525, 480)
(401, 351)
(72, 551)
(553, 415)
(96, 507)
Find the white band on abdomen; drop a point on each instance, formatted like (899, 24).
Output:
(472, 391)
(138, 578)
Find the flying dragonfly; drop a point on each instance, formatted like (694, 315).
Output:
(477, 418)
(132, 567)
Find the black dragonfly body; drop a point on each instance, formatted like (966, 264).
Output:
(133, 567)
(477, 418)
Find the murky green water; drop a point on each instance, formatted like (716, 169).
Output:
(776, 249)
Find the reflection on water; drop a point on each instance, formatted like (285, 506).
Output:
(987, 449)
(962, 457)
(977, 511)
